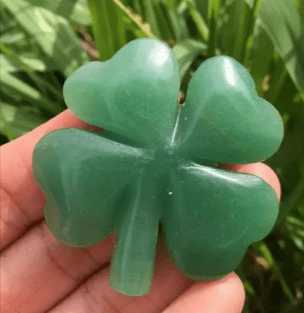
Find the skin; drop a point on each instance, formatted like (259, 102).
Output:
(40, 274)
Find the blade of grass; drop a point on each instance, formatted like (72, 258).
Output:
(182, 7)
(150, 16)
(16, 121)
(250, 32)
(283, 24)
(185, 53)
(76, 11)
(26, 91)
(276, 81)
(34, 64)
(4, 124)
(198, 20)
(295, 221)
(241, 18)
(171, 4)
(137, 5)
(177, 21)
(130, 26)
(118, 25)
(137, 19)
(261, 57)
(301, 9)
(36, 78)
(103, 32)
(163, 21)
(213, 15)
(287, 205)
(247, 284)
(108, 26)
(264, 251)
(51, 33)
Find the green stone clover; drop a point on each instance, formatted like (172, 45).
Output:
(156, 163)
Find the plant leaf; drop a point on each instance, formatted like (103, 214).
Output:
(186, 51)
(34, 64)
(16, 86)
(16, 121)
(283, 25)
(76, 11)
(108, 26)
(151, 17)
(52, 33)
(262, 54)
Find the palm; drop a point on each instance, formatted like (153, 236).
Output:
(40, 274)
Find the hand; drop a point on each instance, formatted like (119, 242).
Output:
(40, 274)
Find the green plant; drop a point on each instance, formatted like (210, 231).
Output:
(43, 42)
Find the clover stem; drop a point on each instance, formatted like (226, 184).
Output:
(134, 257)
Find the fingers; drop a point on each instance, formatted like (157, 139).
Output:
(37, 271)
(171, 290)
(22, 201)
(226, 295)
(262, 170)
(97, 296)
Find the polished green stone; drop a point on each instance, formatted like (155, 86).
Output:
(133, 94)
(224, 119)
(157, 163)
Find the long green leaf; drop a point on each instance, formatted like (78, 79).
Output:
(137, 19)
(76, 11)
(17, 86)
(286, 206)
(33, 63)
(301, 9)
(51, 33)
(213, 15)
(16, 121)
(177, 21)
(150, 16)
(253, 21)
(277, 81)
(234, 29)
(5, 128)
(283, 24)
(198, 20)
(263, 249)
(261, 56)
(108, 26)
(186, 51)
(40, 81)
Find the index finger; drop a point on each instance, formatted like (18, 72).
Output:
(22, 201)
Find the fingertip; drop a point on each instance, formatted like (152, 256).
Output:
(262, 170)
(226, 295)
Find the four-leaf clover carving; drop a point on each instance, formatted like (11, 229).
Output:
(157, 162)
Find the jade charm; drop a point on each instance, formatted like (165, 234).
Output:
(157, 163)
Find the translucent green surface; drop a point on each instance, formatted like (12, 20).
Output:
(156, 163)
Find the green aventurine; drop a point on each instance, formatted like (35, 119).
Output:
(158, 162)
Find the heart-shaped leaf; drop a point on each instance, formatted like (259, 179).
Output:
(213, 216)
(224, 120)
(133, 94)
(85, 177)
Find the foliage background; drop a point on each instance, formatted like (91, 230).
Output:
(42, 42)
